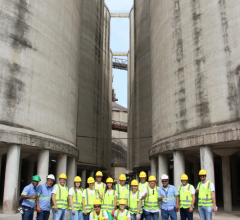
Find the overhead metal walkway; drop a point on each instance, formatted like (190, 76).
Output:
(120, 63)
(119, 14)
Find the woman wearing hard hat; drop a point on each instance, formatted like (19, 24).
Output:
(75, 200)
(99, 185)
(122, 189)
(109, 200)
(122, 213)
(143, 183)
(98, 213)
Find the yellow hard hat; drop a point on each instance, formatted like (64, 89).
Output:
(152, 178)
(202, 172)
(134, 183)
(184, 177)
(97, 202)
(77, 179)
(63, 176)
(122, 177)
(109, 180)
(99, 173)
(90, 180)
(122, 202)
(142, 174)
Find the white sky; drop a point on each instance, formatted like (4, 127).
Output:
(120, 43)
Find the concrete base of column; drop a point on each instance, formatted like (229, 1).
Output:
(84, 176)
(61, 165)
(43, 165)
(162, 166)
(178, 166)
(71, 171)
(154, 166)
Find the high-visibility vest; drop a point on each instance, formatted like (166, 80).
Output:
(151, 201)
(204, 194)
(61, 196)
(121, 194)
(76, 199)
(133, 203)
(108, 201)
(185, 196)
(89, 199)
(124, 217)
(141, 187)
(101, 215)
(101, 189)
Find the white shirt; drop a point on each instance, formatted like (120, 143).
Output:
(105, 215)
(91, 191)
(71, 192)
(203, 185)
(99, 185)
(122, 213)
(192, 190)
(55, 188)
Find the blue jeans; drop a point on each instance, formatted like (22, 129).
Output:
(43, 215)
(77, 216)
(150, 215)
(28, 213)
(60, 214)
(134, 216)
(205, 212)
(86, 217)
(165, 214)
(185, 214)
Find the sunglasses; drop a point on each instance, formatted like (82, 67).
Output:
(164, 181)
(202, 175)
(97, 206)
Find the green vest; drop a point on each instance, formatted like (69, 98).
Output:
(151, 201)
(76, 199)
(108, 201)
(204, 195)
(101, 189)
(140, 187)
(125, 215)
(89, 199)
(61, 197)
(121, 194)
(133, 203)
(185, 196)
(101, 215)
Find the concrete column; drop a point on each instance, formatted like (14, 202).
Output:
(178, 166)
(207, 162)
(0, 165)
(162, 166)
(154, 166)
(61, 165)
(149, 173)
(43, 165)
(234, 175)
(30, 170)
(71, 171)
(84, 176)
(19, 178)
(10, 199)
(137, 176)
(92, 173)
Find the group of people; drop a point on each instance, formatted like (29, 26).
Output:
(102, 201)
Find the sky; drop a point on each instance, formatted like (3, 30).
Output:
(119, 42)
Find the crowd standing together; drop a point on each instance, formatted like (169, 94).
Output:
(102, 201)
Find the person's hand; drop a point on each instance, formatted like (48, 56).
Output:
(191, 209)
(38, 210)
(161, 197)
(138, 216)
(34, 197)
(176, 208)
(55, 208)
(214, 208)
(85, 212)
(73, 211)
(97, 190)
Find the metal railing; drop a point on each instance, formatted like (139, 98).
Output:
(120, 63)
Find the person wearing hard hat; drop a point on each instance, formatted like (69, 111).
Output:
(29, 195)
(60, 198)
(109, 202)
(88, 198)
(170, 199)
(122, 190)
(187, 198)
(75, 200)
(98, 213)
(206, 197)
(43, 201)
(151, 200)
(122, 213)
(134, 201)
(99, 185)
(142, 187)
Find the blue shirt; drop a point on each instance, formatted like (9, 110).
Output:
(169, 197)
(29, 190)
(44, 196)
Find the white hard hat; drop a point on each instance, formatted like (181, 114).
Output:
(164, 177)
(51, 176)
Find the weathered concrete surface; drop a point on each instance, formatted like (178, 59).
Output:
(179, 167)
(43, 165)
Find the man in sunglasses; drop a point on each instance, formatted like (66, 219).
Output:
(170, 199)
(98, 213)
(206, 197)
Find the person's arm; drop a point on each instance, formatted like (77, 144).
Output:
(99, 194)
(214, 201)
(193, 201)
(54, 201)
(139, 208)
(71, 203)
(115, 202)
(83, 204)
(24, 194)
(197, 189)
(37, 205)
(177, 204)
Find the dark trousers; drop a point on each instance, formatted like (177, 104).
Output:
(43, 215)
(86, 217)
(28, 213)
(185, 214)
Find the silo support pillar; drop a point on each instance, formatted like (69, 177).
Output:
(61, 165)
(92, 173)
(71, 171)
(154, 166)
(162, 166)
(137, 176)
(43, 165)
(84, 176)
(178, 166)
(10, 200)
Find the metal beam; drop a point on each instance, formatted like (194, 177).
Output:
(119, 54)
(119, 15)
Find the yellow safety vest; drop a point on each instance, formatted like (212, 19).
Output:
(108, 201)
(76, 199)
(133, 203)
(185, 196)
(61, 197)
(151, 201)
(121, 194)
(140, 187)
(204, 195)
(101, 215)
(124, 217)
(89, 199)
(101, 189)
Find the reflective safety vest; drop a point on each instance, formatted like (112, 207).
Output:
(101, 215)
(151, 201)
(121, 194)
(133, 203)
(141, 186)
(108, 201)
(61, 197)
(76, 199)
(124, 217)
(89, 199)
(185, 196)
(101, 189)
(204, 194)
